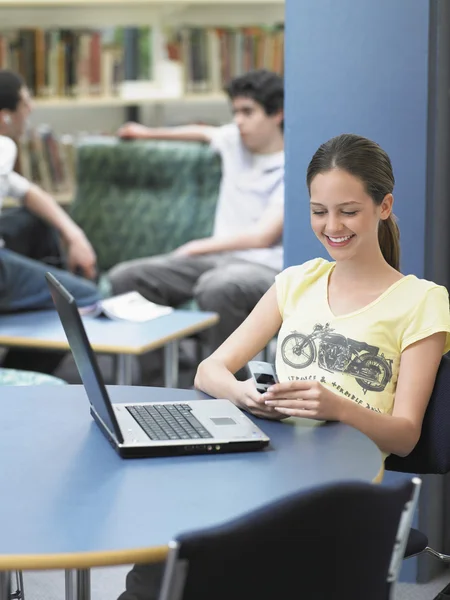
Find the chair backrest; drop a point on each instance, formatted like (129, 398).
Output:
(432, 452)
(282, 550)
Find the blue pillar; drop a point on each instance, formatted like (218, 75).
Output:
(358, 66)
(378, 68)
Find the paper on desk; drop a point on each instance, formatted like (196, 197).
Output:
(131, 306)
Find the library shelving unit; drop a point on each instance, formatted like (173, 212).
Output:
(157, 14)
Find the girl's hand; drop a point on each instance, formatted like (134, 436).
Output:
(249, 399)
(306, 399)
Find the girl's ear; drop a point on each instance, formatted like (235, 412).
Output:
(386, 206)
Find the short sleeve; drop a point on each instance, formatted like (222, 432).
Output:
(8, 155)
(282, 287)
(291, 282)
(18, 186)
(225, 138)
(432, 315)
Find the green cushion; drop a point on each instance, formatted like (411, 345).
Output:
(143, 198)
(190, 305)
(16, 377)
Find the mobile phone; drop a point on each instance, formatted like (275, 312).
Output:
(263, 374)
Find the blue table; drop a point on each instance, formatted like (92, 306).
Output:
(74, 503)
(43, 330)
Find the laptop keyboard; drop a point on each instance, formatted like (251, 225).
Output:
(168, 422)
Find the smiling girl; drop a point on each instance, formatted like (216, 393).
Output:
(358, 342)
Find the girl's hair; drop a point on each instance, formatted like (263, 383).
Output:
(366, 160)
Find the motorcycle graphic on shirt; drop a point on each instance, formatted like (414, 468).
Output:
(337, 353)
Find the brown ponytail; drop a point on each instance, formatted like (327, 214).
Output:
(389, 240)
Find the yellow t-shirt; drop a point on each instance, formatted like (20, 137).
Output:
(356, 355)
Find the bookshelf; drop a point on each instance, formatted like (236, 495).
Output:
(46, 16)
(71, 13)
(92, 108)
(86, 101)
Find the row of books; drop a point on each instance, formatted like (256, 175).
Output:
(48, 160)
(88, 62)
(63, 62)
(212, 56)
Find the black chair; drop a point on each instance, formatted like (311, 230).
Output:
(279, 551)
(432, 452)
(431, 456)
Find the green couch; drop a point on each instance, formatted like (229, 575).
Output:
(143, 198)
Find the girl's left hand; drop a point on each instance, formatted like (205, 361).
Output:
(306, 399)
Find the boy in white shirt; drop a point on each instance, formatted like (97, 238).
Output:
(231, 270)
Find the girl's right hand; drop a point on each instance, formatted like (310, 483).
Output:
(249, 399)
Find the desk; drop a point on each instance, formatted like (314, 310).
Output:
(74, 503)
(43, 330)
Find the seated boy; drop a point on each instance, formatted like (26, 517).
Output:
(29, 244)
(231, 270)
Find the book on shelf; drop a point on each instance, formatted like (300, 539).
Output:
(48, 160)
(212, 56)
(131, 306)
(70, 62)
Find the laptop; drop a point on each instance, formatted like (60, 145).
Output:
(153, 428)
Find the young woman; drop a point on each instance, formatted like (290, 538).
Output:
(358, 342)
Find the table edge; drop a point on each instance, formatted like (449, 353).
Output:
(25, 342)
(82, 560)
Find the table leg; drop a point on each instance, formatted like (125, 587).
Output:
(5, 585)
(19, 593)
(124, 369)
(171, 364)
(78, 584)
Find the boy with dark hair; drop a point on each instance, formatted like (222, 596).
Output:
(231, 270)
(263, 86)
(29, 244)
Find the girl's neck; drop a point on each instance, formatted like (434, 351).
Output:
(369, 269)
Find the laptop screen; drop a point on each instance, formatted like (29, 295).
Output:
(83, 354)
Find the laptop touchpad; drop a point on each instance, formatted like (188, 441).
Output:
(223, 421)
